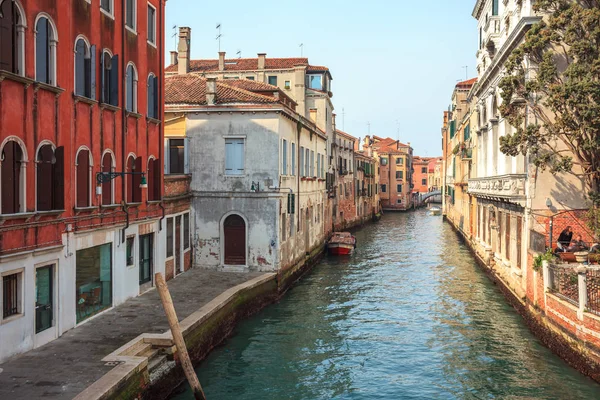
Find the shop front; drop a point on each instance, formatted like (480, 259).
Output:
(93, 281)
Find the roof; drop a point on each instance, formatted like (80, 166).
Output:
(191, 89)
(467, 83)
(249, 64)
(348, 136)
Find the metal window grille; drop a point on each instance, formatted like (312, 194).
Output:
(10, 295)
(593, 290)
(564, 283)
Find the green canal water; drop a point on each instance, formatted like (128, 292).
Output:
(409, 316)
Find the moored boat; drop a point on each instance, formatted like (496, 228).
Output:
(435, 211)
(341, 243)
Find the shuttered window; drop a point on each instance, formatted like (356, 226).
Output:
(106, 5)
(186, 231)
(131, 89)
(284, 158)
(234, 156)
(42, 51)
(169, 237)
(151, 24)
(83, 178)
(130, 13)
(312, 163)
(107, 195)
(293, 159)
(154, 190)
(494, 7)
(12, 157)
(137, 180)
(176, 148)
(85, 69)
(301, 165)
(152, 96)
(110, 79)
(306, 162)
(9, 46)
(45, 179)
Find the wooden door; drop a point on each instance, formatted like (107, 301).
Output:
(235, 240)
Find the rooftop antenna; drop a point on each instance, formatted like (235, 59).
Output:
(219, 36)
(239, 53)
(301, 49)
(174, 35)
(466, 67)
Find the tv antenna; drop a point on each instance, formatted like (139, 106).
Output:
(174, 35)
(219, 35)
(466, 67)
(301, 49)
(239, 54)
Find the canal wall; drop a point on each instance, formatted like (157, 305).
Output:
(557, 324)
(148, 367)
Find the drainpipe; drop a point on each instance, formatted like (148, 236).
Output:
(298, 177)
(161, 112)
(123, 120)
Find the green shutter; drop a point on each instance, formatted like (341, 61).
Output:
(454, 167)
(452, 129)
(467, 133)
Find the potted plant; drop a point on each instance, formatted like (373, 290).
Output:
(542, 259)
(581, 256)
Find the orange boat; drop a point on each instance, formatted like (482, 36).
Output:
(341, 243)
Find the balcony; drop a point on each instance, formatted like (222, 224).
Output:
(502, 187)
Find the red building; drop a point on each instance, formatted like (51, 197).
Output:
(79, 96)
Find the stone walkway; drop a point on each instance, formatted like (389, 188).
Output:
(65, 367)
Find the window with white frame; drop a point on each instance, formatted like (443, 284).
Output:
(312, 163)
(12, 294)
(284, 160)
(152, 92)
(85, 69)
(109, 65)
(176, 156)
(169, 237)
(130, 14)
(45, 51)
(131, 80)
(307, 162)
(318, 166)
(293, 159)
(301, 164)
(234, 156)
(151, 24)
(186, 231)
(107, 6)
(12, 45)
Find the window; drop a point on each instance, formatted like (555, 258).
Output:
(315, 82)
(234, 156)
(169, 237)
(11, 295)
(399, 188)
(107, 5)
(85, 69)
(383, 188)
(134, 192)
(151, 24)
(399, 174)
(384, 161)
(131, 88)
(306, 162)
(12, 45)
(110, 79)
(288, 85)
(312, 163)
(152, 92)
(13, 178)
(318, 166)
(467, 131)
(45, 51)
(107, 187)
(399, 161)
(186, 231)
(301, 165)
(283, 227)
(146, 258)
(273, 80)
(176, 156)
(130, 11)
(129, 251)
(399, 201)
(250, 78)
(293, 159)
(153, 175)
(50, 178)
(284, 165)
(423, 181)
(423, 170)
(93, 280)
(83, 167)
(494, 7)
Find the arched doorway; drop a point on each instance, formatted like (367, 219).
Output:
(234, 231)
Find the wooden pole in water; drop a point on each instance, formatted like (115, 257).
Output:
(186, 363)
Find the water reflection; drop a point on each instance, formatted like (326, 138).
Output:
(408, 316)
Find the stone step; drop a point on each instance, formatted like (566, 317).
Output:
(240, 269)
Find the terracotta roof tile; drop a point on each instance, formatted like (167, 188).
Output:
(246, 64)
(467, 83)
(191, 89)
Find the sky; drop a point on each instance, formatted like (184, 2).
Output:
(394, 63)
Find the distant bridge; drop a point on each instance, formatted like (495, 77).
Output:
(430, 194)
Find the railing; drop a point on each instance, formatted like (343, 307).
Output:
(504, 186)
(564, 283)
(592, 283)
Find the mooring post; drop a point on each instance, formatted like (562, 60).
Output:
(186, 363)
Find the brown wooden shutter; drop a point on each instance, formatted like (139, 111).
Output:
(519, 228)
(157, 187)
(59, 179)
(150, 180)
(137, 179)
(131, 167)
(83, 178)
(507, 236)
(114, 81)
(7, 36)
(11, 175)
(107, 186)
(92, 72)
(44, 178)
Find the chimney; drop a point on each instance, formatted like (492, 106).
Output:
(173, 58)
(313, 115)
(333, 121)
(211, 91)
(183, 48)
(221, 61)
(261, 60)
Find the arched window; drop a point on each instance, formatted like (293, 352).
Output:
(110, 78)
(45, 51)
(134, 192)
(234, 232)
(131, 80)
(153, 176)
(83, 168)
(12, 45)
(85, 69)
(152, 96)
(107, 187)
(13, 178)
(50, 178)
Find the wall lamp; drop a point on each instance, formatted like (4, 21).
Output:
(104, 177)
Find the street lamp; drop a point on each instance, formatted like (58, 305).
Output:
(104, 177)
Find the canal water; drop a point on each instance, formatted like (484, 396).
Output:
(409, 316)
